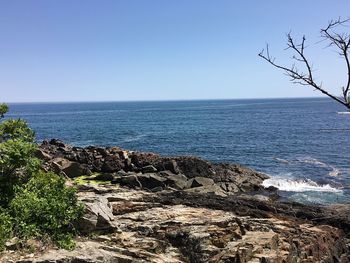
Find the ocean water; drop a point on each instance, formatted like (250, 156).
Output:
(303, 144)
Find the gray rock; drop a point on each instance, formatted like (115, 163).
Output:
(112, 163)
(98, 215)
(177, 181)
(200, 181)
(39, 153)
(71, 169)
(147, 181)
(150, 181)
(104, 177)
(130, 180)
(172, 166)
(149, 169)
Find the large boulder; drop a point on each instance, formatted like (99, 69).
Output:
(177, 181)
(200, 181)
(148, 181)
(98, 215)
(112, 163)
(69, 168)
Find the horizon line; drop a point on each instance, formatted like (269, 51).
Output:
(160, 100)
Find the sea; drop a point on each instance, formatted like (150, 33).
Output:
(302, 144)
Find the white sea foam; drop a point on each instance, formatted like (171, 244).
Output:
(281, 160)
(299, 185)
(134, 138)
(335, 171)
(310, 160)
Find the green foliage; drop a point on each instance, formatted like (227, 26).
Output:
(5, 227)
(45, 205)
(65, 241)
(16, 129)
(33, 203)
(3, 109)
(17, 164)
(16, 154)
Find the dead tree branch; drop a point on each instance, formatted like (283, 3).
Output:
(339, 40)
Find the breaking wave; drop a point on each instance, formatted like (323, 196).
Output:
(299, 185)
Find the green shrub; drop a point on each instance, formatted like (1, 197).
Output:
(16, 129)
(33, 203)
(5, 228)
(17, 164)
(3, 109)
(46, 206)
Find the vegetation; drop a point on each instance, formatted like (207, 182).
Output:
(339, 40)
(33, 203)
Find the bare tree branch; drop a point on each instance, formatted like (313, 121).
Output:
(340, 40)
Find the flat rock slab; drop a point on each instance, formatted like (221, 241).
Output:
(176, 227)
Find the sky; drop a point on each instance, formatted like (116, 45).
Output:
(83, 50)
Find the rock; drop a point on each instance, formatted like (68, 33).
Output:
(157, 218)
(193, 167)
(148, 181)
(75, 169)
(140, 160)
(231, 178)
(168, 165)
(207, 189)
(130, 180)
(101, 151)
(112, 164)
(85, 252)
(57, 142)
(98, 215)
(177, 181)
(200, 181)
(149, 169)
(121, 173)
(71, 169)
(104, 177)
(185, 226)
(151, 181)
(41, 154)
(12, 244)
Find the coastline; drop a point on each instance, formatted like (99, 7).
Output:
(142, 207)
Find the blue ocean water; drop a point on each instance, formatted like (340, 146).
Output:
(302, 143)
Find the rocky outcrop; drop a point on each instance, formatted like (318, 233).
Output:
(175, 226)
(184, 209)
(148, 170)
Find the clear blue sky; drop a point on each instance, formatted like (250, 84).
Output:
(158, 49)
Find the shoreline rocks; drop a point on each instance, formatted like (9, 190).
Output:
(148, 170)
(149, 208)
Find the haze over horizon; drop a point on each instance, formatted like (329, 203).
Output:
(159, 50)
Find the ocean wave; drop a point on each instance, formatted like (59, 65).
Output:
(291, 185)
(310, 160)
(335, 171)
(280, 160)
(134, 138)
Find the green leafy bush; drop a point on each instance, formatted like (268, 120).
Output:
(3, 109)
(45, 206)
(17, 165)
(17, 161)
(16, 129)
(5, 227)
(33, 203)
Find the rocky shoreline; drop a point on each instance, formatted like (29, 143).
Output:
(142, 207)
